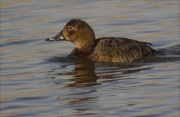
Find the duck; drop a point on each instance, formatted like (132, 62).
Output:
(104, 49)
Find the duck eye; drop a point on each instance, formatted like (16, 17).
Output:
(70, 28)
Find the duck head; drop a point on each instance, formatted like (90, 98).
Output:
(78, 32)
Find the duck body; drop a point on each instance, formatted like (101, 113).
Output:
(105, 49)
(112, 49)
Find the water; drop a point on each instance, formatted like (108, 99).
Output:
(37, 80)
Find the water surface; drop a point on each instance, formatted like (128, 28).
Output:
(37, 80)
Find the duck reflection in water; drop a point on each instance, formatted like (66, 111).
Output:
(84, 73)
(87, 72)
(90, 74)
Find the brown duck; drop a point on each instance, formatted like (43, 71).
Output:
(106, 49)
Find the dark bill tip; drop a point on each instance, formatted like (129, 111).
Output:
(50, 39)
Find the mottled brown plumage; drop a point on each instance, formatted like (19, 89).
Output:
(106, 49)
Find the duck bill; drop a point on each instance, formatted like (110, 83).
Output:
(58, 37)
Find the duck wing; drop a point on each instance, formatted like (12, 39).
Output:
(112, 49)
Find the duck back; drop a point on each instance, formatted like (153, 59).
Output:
(110, 49)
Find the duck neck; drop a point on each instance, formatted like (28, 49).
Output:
(85, 47)
(86, 44)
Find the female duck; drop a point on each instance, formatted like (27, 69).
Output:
(106, 49)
